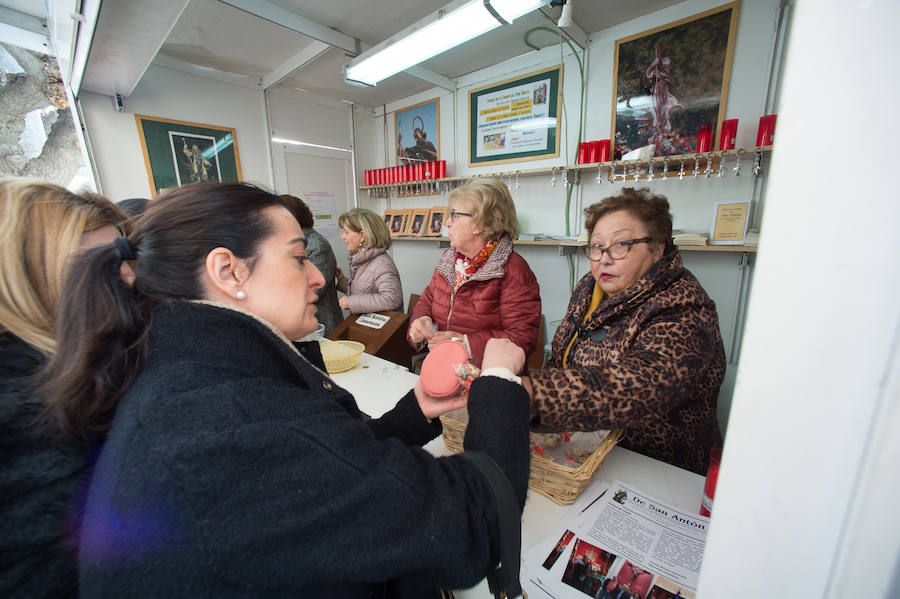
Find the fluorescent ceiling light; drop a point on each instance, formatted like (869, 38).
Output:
(430, 38)
(294, 142)
(513, 9)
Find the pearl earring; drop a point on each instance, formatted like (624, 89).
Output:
(240, 294)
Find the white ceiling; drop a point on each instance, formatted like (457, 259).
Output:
(216, 39)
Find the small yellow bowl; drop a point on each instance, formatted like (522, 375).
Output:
(341, 355)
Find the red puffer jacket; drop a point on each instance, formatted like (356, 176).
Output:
(502, 299)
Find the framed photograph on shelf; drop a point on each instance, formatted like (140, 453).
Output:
(418, 131)
(388, 214)
(670, 81)
(179, 153)
(397, 222)
(729, 224)
(436, 219)
(516, 119)
(417, 221)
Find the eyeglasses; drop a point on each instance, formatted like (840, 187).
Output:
(454, 214)
(616, 251)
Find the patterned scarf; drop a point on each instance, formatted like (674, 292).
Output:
(465, 267)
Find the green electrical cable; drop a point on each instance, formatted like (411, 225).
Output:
(571, 186)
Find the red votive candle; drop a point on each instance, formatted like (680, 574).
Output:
(704, 137)
(712, 477)
(766, 132)
(583, 152)
(729, 133)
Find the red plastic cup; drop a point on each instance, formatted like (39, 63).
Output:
(603, 155)
(704, 138)
(583, 152)
(430, 169)
(712, 477)
(766, 132)
(441, 169)
(419, 171)
(593, 152)
(729, 133)
(367, 175)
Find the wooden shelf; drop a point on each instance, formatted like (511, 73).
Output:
(576, 171)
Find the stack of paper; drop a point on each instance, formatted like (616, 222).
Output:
(685, 238)
(617, 541)
(752, 238)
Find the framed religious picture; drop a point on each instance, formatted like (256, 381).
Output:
(179, 153)
(729, 224)
(418, 131)
(516, 119)
(436, 219)
(670, 81)
(397, 222)
(388, 215)
(416, 225)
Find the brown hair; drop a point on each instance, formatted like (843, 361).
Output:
(647, 207)
(494, 208)
(41, 225)
(300, 211)
(104, 322)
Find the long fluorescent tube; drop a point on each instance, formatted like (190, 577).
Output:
(513, 9)
(430, 38)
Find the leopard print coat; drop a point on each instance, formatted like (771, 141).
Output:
(649, 360)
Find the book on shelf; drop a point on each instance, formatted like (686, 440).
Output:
(686, 238)
(752, 238)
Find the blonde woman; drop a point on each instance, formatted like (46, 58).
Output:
(480, 288)
(41, 226)
(374, 283)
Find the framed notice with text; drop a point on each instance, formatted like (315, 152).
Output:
(670, 81)
(729, 225)
(516, 119)
(179, 153)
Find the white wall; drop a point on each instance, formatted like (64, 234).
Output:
(171, 94)
(805, 504)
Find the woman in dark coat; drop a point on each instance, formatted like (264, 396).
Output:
(639, 348)
(41, 225)
(318, 249)
(232, 463)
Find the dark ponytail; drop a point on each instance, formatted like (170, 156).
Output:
(100, 345)
(103, 323)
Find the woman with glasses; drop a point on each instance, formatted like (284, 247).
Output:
(374, 283)
(639, 348)
(480, 288)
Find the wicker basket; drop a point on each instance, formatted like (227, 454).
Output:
(560, 483)
(341, 355)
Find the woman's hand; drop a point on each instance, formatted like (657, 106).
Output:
(340, 280)
(432, 408)
(442, 336)
(503, 353)
(421, 329)
(344, 303)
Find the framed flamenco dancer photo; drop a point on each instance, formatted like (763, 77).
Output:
(669, 81)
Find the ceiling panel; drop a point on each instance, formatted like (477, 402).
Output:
(213, 35)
